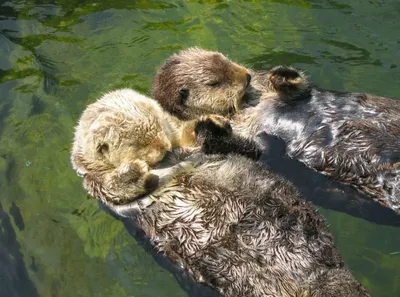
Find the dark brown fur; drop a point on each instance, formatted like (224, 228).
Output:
(206, 81)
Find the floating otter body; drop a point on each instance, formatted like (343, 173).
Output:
(234, 225)
(353, 138)
(121, 136)
(117, 140)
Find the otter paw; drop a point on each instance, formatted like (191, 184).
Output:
(282, 77)
(213, 125)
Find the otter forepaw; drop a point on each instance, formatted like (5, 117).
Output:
(282, 77)
(213, 125)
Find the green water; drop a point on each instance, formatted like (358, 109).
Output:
(58, 56)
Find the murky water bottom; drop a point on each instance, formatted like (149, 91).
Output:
(58, 56)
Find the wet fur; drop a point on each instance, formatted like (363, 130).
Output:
(123, 135)
(232, 224)
(320, 189)
(198, 82)
(117, 140)
(351, 137)
(243, 230)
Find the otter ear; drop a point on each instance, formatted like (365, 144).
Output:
(183, 95)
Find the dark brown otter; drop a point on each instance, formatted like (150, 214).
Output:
(197, 82)
(354, 138)
(232, 224)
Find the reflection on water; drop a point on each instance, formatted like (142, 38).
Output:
(57, 56)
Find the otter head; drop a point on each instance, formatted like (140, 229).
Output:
(197, 82)
(118, 139)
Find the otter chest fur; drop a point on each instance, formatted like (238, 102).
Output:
(245, 232)
(353, 138)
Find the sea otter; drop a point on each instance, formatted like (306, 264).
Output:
(121, 136)
(216, 83)
(354, 138)
(232, 224)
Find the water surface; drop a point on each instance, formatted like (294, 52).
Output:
(58, 56)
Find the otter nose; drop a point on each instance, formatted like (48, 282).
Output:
(151, 183)
(248, 79)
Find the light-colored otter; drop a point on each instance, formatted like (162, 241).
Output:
(354, 138)
(120, 137)
(234, 225)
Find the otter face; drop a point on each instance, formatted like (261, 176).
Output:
(118, 139)
(196, 82)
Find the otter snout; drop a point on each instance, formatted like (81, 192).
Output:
(151, 183)
(248, 79)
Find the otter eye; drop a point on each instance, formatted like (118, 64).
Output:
(213, 83)
(183, 95)
(102, 148)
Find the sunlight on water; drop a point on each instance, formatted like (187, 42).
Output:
(58, 56)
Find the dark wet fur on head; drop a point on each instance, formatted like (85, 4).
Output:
(195, 82)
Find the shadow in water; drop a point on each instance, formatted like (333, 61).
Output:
(322, 191)
(14, 278)
(186, 282)
(6, 103)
